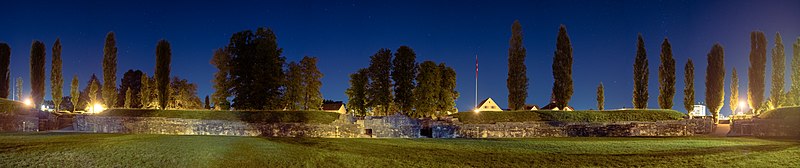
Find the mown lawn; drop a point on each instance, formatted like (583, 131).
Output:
(119, 150)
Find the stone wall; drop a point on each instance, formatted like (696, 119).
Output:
(765, 128)
(393, 126)
(18, 123)
(559, 129)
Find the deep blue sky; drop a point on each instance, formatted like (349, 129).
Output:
(344, 34)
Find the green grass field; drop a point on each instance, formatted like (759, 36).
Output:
(120, 150)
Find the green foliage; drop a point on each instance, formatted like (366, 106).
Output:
(757, 70)
(311, 84)
(311, 117)
(132, 79)
(91, 93)
(222, 81)
(207, 103)
(147, 95)
(74, 92)
(256, 69)
(163, 59)
(778, 73)
(357, 93)
(293, 94)
(128, 98)
(666, 76)
(379, 89)
(688, 87)
(517, 81)
(183, 95)
(734, 100)
(427, 90)
(37, 72)
(18, 88)
(404, 70)
(12, 107)
(5, 70)
(600, 96)
(592, 116)
(56, 80)
(447, 90)
(784, 113)
(562, 70)
(794, 93)
(110, 70)
(715, 80)
(641, 75)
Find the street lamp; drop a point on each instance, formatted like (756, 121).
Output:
(742, 105)
(28, 102)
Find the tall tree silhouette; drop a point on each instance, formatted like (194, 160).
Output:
(37, 72)
(756, 72)
(600, 97)
(110, 70)
(380, 87)
(778, 73)
(641, 74)
(5, 70)
(517, 81)
(715, 80)
(562, 69)
(404, 70)
(688, 87)
(666, 76)
(256, 69)
(163, 59)
(56, 79)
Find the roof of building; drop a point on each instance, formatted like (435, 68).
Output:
(530, 106)
(552, 105)
(332, 105)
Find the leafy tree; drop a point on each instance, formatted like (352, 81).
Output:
(37, 72)
(517, 81)
(294, 86)
(688, 88)
(734, 101)
(147, 96)
(94, 90)
(74, 93)
(403, 73)
(256, 69)
(715, 80)
(312, 97)
(427, 90)
(91, 94)
(18, 88)
(562, 70)
(795, 89)
(207, 103)
(666, 76)
(128, 98)
(183, 95)
(778, 73)
(357, 93)
(56, 80)
(5, 71)
(600, 97)
(641, 73)
(222, 81)
(163, 59)
(131, 79)
(380, 87)
(447, 90)
(110, 70)
(756, 72)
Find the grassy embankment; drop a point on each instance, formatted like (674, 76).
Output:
(120, 150)
(10, 106)
(568, 116)
(247, 116)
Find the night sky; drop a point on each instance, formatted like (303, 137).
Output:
(344, 34)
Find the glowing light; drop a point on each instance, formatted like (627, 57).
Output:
(97, 108)
(742, 105)
(28, 102)
(477, 111)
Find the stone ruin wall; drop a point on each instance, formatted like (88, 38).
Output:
(18, 123)
(765, 128)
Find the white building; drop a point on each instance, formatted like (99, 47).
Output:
(699, 110)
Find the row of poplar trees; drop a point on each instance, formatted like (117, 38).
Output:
(517, 81)
(108, 91)
(251, 76)
(400, 85)
(715, 78)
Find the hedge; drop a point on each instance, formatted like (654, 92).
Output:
(786, 113)
(592, 116)
(314, 117)
(11, 107)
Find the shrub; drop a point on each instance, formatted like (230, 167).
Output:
(568, 116)
(312, 117)
(786, 113)
(11, 107)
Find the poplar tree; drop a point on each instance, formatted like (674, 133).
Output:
(56, 80)
(312, 97)
(427, 90)
(517, 81)
(94, 89)
(715, 80)
(74, 92)
(404, 70)
(110, 70)
(600, 97)
(795, 89)
(562, 70)
(641, 74)
(146, 95)
(128, 98)
(37, 72)
(447, 91)
(207, 103)
(357, 93)
(5, 70)
(757, 70)
(222, 81)
(734, 100)
(688, 87)
(380, 87)
(18, 93)
(666, 76)
(778, 74)
(163, 59)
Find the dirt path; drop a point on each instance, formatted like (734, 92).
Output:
(721, 130)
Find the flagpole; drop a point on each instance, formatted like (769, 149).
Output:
(476, 80)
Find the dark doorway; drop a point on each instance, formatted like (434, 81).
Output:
(426, 132)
